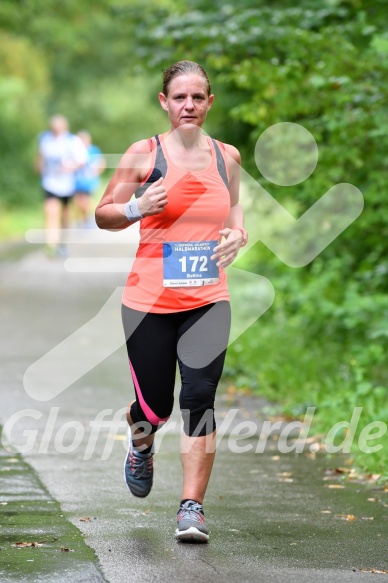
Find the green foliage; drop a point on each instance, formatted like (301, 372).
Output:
(275, 359)
(117, 115)
(62, 57)
(324, 66)
(24, 80)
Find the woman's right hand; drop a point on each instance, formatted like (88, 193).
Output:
(154, 199)
(110, 212)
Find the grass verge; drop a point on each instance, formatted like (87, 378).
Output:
(274, 359)
(36, 541)
(15, 222)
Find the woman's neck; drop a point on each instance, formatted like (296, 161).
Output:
(187, 139)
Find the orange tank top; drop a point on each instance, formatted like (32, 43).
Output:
(198, 205)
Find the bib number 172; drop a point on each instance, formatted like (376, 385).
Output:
(188, 263)
(194, 260)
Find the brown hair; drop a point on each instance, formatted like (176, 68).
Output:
(183, 68)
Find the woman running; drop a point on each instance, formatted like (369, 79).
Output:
(176, 302)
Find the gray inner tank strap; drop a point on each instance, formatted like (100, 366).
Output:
(221, 163)
(160, 169)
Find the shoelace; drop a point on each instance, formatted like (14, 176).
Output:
(140, 466)
(193, 512)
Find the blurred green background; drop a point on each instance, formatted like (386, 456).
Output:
(320, 64)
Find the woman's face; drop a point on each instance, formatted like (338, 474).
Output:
(187, 102)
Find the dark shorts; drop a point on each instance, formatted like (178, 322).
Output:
(197, 340)
(84, 191)
(63, 199)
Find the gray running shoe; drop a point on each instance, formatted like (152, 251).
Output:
(191, 523)
(138, 471)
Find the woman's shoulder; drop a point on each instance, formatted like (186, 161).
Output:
(137, 158)
(141, 147)
(130, 159)
(232, 151)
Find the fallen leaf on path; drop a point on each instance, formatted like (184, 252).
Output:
(348, 517)
(379, 571)
(67, 550)
(85, 519)
(35, 543)
(344, 470)
(247, 391)
(282, 418)
(373, 477)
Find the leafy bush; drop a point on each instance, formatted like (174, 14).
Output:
(324, 342)
(24, 81)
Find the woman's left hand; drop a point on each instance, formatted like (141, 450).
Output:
(226, 251)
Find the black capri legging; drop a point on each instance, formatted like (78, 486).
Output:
(197, 339)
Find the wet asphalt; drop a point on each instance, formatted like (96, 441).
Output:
(272, 516)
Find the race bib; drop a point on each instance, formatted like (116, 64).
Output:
(189, 264)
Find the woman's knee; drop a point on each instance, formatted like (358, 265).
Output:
(147, 421)
(197, 408)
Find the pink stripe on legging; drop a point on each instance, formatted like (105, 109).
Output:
(151, 417)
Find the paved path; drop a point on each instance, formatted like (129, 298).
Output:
(272, 516)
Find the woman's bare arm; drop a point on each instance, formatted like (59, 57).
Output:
(131, 172)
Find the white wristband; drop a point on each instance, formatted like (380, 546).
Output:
(132, 212)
